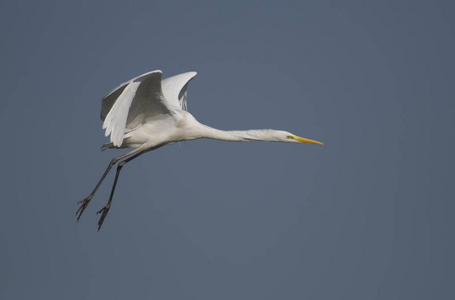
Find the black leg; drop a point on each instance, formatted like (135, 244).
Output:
(106, 208)
(84, 203)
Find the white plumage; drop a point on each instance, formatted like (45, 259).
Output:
(147, 112)
(140, 99)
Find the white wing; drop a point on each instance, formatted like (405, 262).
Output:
(175, 87)
(131, 103)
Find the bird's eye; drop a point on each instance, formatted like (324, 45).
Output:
(290, 137)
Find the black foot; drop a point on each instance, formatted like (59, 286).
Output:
(83, 206)
(103, 213)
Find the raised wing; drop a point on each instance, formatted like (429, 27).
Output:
(175, 87)
(131, 103)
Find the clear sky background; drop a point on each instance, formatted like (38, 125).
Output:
(367, 216)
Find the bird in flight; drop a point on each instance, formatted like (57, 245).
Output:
(148, 112)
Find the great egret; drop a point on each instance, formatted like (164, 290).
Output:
(147, 113)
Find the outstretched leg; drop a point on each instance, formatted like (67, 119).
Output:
(106, 208)
(84, 203)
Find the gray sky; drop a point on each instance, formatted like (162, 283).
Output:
(367, 216)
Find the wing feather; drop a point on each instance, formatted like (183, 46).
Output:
(109, 99)
(143, 97)
(175, 87)
(131, 103)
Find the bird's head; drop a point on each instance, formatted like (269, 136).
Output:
(288, 137)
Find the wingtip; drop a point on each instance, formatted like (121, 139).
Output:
(190, 73)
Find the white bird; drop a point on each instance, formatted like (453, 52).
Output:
(147, 113)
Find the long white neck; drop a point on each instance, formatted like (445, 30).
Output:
(204, 131)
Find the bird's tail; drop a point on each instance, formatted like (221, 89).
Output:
(106, 146)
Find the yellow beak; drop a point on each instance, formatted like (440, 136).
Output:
(304, 140)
